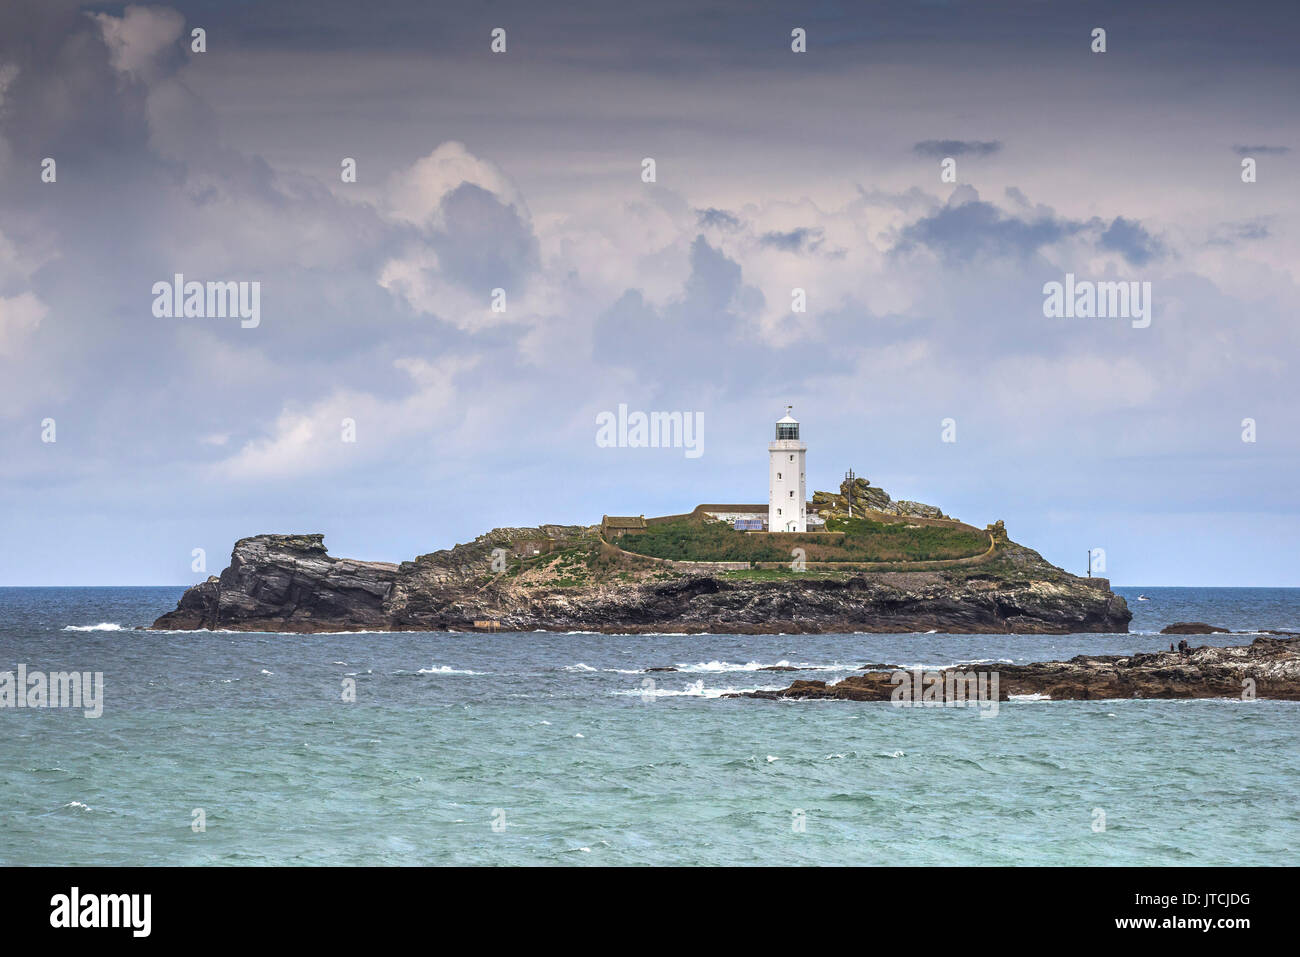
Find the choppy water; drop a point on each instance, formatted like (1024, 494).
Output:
(556, 740)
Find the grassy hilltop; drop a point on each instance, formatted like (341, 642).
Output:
(845, 540)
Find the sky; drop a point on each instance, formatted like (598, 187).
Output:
(923, 359)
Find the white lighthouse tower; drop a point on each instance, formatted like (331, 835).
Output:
(786, 490)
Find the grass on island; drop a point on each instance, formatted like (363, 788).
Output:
(862, 540)
(779, 574)
(576, 566)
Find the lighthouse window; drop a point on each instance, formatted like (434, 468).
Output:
(792, 458)
(778, 511)
(792, 493)
(778, 476)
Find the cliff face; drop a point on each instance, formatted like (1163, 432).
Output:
(289, 583)
(1267, 668)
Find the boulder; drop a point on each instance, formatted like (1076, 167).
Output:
(1193, 628)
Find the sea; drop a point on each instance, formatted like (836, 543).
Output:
(433, 748)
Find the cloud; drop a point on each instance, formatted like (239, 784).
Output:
(473, 236)
(794, 240)
(941, 149)
(970, 229)
(19, 316)
(704, 320)
(483, 243)
(310, 440)
(8, 72)
(1261, 150)
(1128, 238)
(417, 193)
(967, 229)
(718, 219)
(142, 43)
(1230, 234)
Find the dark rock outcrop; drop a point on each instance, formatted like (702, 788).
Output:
(1192, 628)
(1266, 668)
(289, 583)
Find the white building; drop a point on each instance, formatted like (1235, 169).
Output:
(786, 489)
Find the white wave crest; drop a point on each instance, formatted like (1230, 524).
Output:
(695, 690)
(718, 667)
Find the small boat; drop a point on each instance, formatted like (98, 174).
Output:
(1143, 598)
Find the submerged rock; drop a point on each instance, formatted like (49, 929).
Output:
(1266, 668)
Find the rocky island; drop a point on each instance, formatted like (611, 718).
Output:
(1269, 667)
(873, 565)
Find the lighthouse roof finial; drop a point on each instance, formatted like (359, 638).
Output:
(788, 417)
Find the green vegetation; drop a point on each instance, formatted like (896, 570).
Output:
(862, 540)
(777, 574)
(906, 540)
(571, 567)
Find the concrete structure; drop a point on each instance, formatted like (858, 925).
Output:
(786, 486)
(735, 513)
(730, 513)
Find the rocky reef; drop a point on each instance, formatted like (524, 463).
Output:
(567, 578)
(1192, 628)
(1269, 667)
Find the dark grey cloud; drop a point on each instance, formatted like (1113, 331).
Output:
(484, 243)
(718, 219)
(802, 239)
(714, 279)
(974, 230)
(968, 229)
(705, 336)
(939, 149)
(1128, 238)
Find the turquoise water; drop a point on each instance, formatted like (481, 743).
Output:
(550, 749)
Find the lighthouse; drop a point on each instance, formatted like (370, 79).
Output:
(786, 489)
